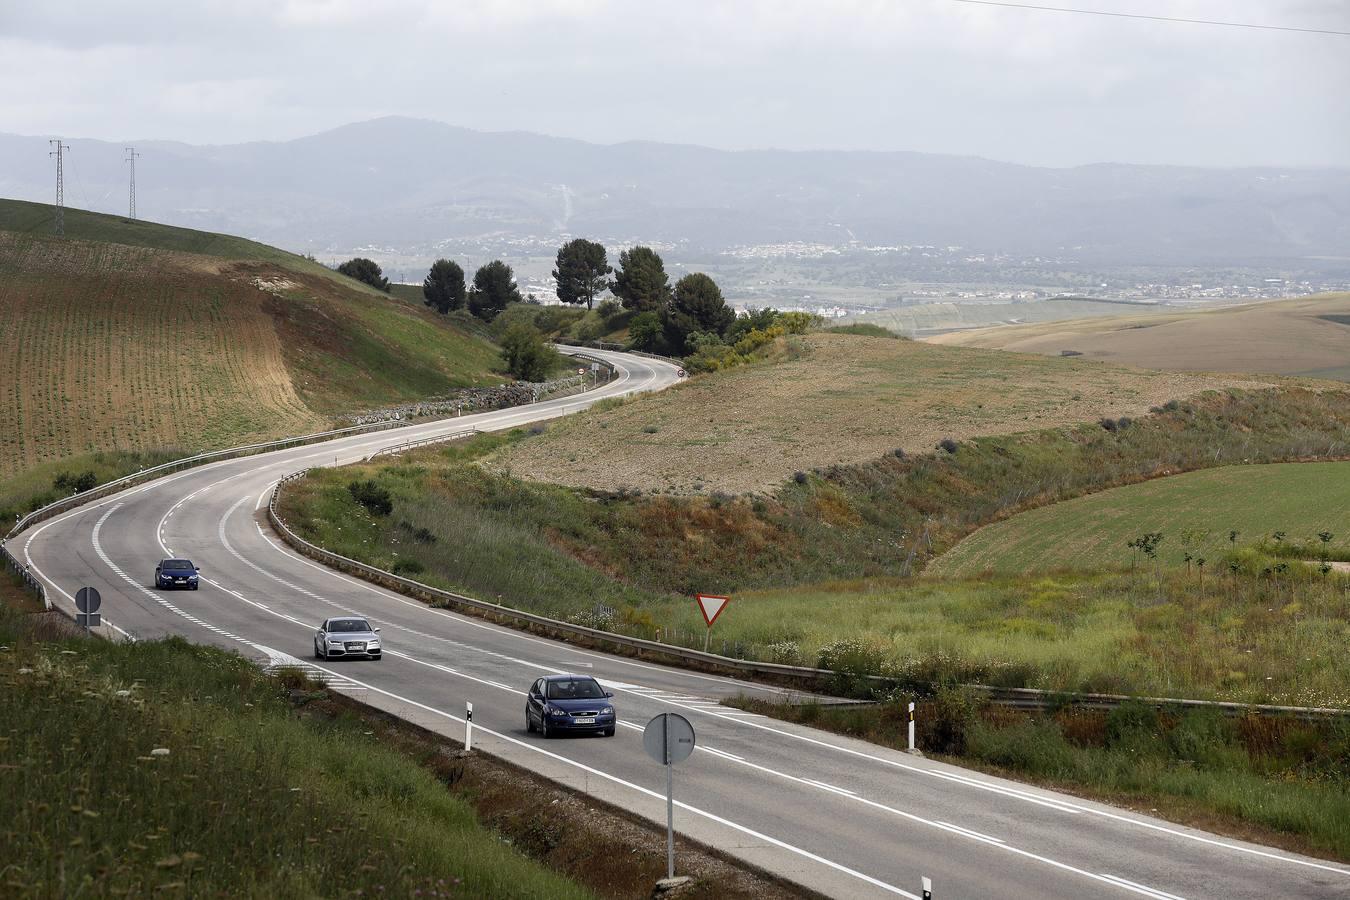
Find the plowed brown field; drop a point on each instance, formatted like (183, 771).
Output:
(1308, 336)
(107, 346)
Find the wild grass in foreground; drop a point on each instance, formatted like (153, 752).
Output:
(1276, 781)
(162, 767)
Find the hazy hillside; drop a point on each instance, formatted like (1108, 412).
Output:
(410, 183)
(132, 336)
(1309, 337)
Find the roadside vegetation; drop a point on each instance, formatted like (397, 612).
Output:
(819, 569)
(1277, 781)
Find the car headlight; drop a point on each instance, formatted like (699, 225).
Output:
(372, 643)
(557, 712)
(607, 711)
(333, 640)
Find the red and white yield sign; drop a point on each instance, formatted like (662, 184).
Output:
(711, 606)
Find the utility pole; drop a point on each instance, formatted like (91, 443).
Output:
(131, 158)
(59, 152)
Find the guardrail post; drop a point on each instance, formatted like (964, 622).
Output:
(911, 727)
(468, 726)
(927, 884)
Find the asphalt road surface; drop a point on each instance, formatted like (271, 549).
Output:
(840, 816)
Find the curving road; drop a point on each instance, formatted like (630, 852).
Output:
(843, 817)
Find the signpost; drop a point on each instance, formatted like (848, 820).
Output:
(668, 739)
(87, 601)
(711, 606)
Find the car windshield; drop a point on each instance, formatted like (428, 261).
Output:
(176, 564)
(348, 625)
(575, 689)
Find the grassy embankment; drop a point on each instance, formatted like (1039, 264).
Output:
(253, 799)
(140, 341)
(1196, 513)
(823, 560)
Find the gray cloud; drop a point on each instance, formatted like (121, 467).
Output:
(927, 75)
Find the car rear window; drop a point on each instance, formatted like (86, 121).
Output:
(576, 689)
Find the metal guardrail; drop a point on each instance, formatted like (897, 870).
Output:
(187, 462)
(619, 348)
(803, 677)
(409, 445)
(31, 583)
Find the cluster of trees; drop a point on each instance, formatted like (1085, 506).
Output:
(689, 318)
(494, 285)
(494, 288)
(663, 317)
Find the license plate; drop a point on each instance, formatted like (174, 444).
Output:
(588, 720)
(356, 646)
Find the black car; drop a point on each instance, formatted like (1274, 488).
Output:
(574, 704)
(176, 573)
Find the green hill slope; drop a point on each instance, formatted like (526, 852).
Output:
(1194, 511)
(132, 336)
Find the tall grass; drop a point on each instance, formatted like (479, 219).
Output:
(1289, 779)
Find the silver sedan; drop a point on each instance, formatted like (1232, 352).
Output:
(344, 636)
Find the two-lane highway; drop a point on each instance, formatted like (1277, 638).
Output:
(840, 816)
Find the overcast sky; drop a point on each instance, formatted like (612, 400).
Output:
(929, 75)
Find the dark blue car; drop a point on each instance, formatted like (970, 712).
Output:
(176, 573)
(569, 704)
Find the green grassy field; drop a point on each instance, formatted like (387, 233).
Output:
(252, 799)
(1195, 512)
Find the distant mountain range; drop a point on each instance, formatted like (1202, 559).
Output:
(409, 185)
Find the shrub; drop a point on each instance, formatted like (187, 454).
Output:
(76, 484)
(948, 445)
(1124, 422)
(407, 567)
(947, 720)
(374, 498)
(1030, 746)
(899, 452)
(1131, 721)
(1108, 424)
(799, 477)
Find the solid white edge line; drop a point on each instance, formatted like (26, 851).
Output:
(1151, 892)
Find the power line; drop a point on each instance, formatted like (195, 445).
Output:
(131, 158)
(59, 153)
(1173, 19)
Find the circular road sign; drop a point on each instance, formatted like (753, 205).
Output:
(87, 600)
(668, 730)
